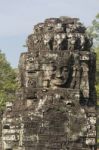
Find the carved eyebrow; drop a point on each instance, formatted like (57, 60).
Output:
(64, 66)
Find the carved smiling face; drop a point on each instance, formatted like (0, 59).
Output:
(49, 70)
(55, 76)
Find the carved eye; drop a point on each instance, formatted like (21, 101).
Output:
(34, 71)
(64, 69)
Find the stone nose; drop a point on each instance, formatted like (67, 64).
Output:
(58, 74)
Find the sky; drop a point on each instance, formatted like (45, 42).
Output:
(17, 18)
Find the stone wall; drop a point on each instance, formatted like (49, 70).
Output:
(56, 101)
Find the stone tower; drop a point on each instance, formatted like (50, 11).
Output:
(55, 107)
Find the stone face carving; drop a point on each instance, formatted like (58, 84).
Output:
(54, 73)
(55, 106)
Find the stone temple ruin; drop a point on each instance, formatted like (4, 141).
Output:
(55, 107)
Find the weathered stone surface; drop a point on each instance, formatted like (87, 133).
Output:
(59, 34)
(55, 106)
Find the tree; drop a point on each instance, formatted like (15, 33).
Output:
(7, 81)
(93, 31)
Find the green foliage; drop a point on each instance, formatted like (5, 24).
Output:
(97, 72)
(93, 30)
(7, 81)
